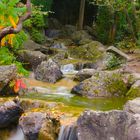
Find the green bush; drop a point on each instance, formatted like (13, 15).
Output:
(112, 61)
(36, 24)
(104, 19)
(8, 58)
(37, 36)
(18, 40)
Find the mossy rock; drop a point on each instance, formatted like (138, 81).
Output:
(77, 36)
(102, 84)
(92, 51)
(134, 90)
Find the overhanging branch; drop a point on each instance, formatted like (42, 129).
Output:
(10, 30)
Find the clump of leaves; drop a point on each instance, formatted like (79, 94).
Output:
(7, 58)
(9, 16)
(115, 85)
(36, 24)
(127, 44)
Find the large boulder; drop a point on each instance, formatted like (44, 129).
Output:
(68, 30)
(85, 65)
(7, 74)
(48, 71)
(53, 33)
(31, 58)
(93, 51)
(61, 55)
(84, 74)
(112, 125)
(10, 113)
(102, 84)
(31, 45)
(39, 125)
(78, 36)
(133, 106)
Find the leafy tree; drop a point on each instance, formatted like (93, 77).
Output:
(124, 15)
(12, 16)
(36, 24)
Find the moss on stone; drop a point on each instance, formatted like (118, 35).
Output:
(133, 92)
(90, 51)
(115, 85)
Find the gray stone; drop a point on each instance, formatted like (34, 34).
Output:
(53, 33)
(85, 65)
(7, 74)
(133, 106)
(84, 74)
(102, 84)
(48, 71)
(31, 45)
(39, 125)
(31, 58)
(10, 112)
(77, 36)
(68, 30)
(115, 50)
(112, 125)
(93, 51)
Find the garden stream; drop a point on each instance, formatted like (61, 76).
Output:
(73, 104)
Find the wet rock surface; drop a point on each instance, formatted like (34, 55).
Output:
(39, 125)
(102, 84)
(133, 106)
(84, 74)
(31, 45)
(48, 71)
(7, 74)
(10, 113)
(31, 58)
(112, 125)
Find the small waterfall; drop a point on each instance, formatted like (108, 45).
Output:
(68, 69)
(18, 135)
(67, 132)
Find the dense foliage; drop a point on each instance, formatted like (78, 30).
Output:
(36, 24)
(118, 20)
(9, 17)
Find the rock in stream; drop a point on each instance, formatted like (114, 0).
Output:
(10, 113)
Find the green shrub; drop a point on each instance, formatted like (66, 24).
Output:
(36, 24)
(8, 58)
(18, 40)
(126, 44)
(37, 36)
(112, 61)
(104, 19)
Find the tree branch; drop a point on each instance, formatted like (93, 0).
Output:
(10, 30)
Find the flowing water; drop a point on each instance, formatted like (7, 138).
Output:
(68, 69)
(67, 132)
(13, 133)
(60, 92)
(73, 104)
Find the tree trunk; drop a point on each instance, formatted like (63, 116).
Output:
(81, 15)
(113, 29)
